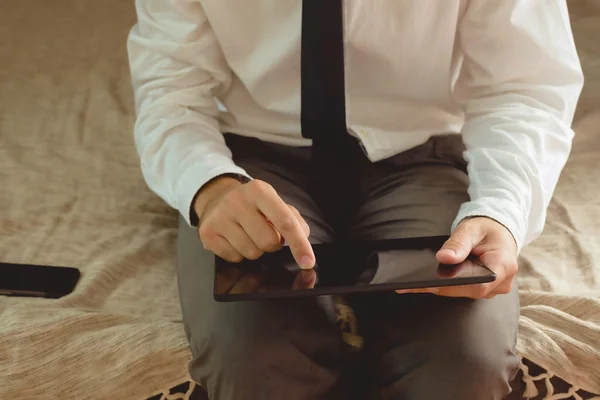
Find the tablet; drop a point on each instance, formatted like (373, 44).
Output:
(346, 268)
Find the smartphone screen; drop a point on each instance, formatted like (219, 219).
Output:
(346, 268)
(37, 280)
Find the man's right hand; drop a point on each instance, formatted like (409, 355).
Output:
(240, 221)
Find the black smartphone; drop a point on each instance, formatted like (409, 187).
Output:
(37, 280)
(346, 268)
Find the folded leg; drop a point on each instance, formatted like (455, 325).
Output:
(421, 346)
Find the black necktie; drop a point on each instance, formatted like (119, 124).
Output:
(335, 154)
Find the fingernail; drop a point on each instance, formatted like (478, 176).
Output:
(306, 262)
(449, 252)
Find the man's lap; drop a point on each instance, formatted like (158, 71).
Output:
(294, 348)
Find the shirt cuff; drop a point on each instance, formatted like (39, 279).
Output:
(195, 178)
(504, 212)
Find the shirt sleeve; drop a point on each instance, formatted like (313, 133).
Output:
(177, 68)
(519, 85)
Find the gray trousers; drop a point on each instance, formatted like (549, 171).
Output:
(416, 346)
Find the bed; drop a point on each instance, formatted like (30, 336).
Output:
(72, 194)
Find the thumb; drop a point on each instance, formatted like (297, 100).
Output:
(459, 246)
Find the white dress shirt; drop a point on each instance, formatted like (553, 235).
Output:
(503, 73)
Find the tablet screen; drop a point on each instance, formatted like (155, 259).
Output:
(384, 265)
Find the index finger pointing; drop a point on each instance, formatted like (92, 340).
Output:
(286, 223)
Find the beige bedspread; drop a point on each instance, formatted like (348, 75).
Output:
(71, 193)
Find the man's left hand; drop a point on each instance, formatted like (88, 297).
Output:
(493, 244)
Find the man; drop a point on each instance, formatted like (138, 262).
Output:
(272, 122)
